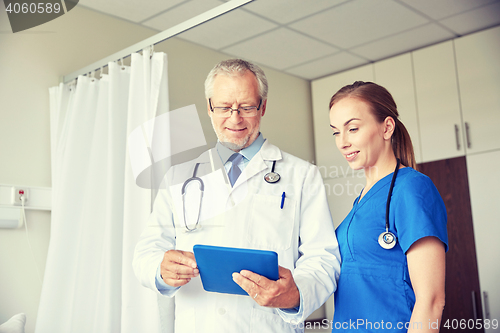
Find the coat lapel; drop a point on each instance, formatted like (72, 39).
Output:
(257, 164)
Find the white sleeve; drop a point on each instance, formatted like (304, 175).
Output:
(318, 268)
(157, 238)
(290, 315)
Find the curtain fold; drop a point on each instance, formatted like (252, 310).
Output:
(98, 211)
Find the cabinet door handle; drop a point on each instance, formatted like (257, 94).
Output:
(474, 307)
(467, 134)
(486, 305)
(457, 136)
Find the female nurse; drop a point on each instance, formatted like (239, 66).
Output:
(393, 268)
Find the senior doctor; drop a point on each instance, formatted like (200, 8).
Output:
(239, 208)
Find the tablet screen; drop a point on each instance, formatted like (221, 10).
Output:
(217, 265)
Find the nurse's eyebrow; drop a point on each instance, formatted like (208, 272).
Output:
(346, 123)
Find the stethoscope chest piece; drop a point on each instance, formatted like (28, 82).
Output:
(387, 240)
(272, 177)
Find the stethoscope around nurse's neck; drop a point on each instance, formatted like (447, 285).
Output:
(387, 239)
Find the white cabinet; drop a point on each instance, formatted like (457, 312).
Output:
(441, 134)
(484, 182)
(327, 154)
(478, 67)
(396, 75)
(457, 85)
(448, 96)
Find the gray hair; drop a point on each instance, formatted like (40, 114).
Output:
(236, 67)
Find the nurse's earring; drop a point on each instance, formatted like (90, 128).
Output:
(387, 240)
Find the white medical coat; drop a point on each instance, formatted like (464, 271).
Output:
(248, 215)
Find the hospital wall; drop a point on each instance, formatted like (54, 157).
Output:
(34, 60)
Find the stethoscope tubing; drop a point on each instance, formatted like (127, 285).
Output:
(387, 240)
(183, 192)
(388, 205)
(271, 177)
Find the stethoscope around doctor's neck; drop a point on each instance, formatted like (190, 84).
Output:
(270, 177)
(387, 239)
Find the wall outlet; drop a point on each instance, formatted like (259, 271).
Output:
(17, 191)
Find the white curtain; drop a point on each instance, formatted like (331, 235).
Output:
(98, 211)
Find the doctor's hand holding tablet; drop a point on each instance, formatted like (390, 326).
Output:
(276, 289)
(276, 294)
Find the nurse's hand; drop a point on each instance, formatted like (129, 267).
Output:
(282, 294)
(178, 267)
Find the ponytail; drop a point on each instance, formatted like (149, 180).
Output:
(402, 145)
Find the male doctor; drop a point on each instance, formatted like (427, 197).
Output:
(239, 208)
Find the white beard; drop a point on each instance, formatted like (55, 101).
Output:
(234, 146)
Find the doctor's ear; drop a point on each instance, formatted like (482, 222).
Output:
(208, 107)
(389, 127)
(263, 107)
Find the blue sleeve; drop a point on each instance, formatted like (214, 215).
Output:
(419, 211)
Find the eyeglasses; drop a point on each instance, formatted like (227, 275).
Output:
(226, 112)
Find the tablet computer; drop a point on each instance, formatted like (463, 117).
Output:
(217, 265)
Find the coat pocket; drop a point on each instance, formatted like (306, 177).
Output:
(269, 226)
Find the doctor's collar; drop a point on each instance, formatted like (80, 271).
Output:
(248, 152)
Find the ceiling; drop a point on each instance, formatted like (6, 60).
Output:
(313, 38)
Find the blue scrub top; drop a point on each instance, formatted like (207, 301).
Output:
(374, 290)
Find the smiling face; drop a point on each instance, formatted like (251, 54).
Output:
(236, 91)
(363, 141)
